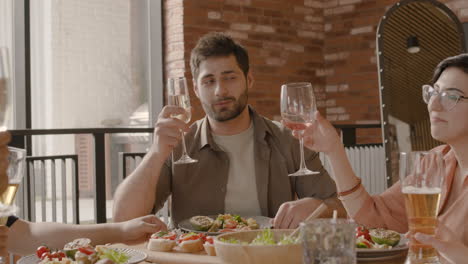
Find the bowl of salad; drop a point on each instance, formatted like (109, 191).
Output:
(259, 246)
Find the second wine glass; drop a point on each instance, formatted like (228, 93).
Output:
(297, 111)
(178, 95)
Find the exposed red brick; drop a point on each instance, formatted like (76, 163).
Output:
(292, 41)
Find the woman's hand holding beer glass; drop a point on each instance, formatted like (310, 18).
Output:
(421, 175)
(453, 251)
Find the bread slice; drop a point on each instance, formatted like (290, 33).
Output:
(210, 249)
(191, 246)
(159, 244)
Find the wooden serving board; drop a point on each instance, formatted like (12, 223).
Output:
(173, 257)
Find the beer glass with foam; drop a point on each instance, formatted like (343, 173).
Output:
(421, 176)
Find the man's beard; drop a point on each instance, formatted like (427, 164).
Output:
(229, 112)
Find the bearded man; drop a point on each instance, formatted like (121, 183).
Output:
(243, 158)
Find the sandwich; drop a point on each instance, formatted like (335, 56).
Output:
(209, 247)
(162, 241)
(191, 242)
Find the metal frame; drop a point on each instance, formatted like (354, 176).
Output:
(123, 157)
(381, 61)
(20, 136)
(30, 186)
(156, 55)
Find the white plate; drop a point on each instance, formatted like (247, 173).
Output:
(262, 221)
(375, 253)
(136, 256)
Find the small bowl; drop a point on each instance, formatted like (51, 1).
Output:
(256, 254)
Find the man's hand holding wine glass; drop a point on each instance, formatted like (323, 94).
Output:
(178, 95)
(167, 131)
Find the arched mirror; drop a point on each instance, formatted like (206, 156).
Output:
(412, 38)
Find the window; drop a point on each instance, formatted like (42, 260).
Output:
(93, 63)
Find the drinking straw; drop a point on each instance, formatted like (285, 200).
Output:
(335, 215)
(313, 215)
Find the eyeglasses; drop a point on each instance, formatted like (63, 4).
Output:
(448, 100)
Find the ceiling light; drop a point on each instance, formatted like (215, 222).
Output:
(412, 44)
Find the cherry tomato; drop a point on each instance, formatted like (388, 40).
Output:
(54, 255)
(46, 255)
(41, 250)
(60, 255)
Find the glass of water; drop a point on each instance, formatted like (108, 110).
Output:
(329, 241)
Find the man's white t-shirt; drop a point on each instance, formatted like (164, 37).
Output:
(241, 190)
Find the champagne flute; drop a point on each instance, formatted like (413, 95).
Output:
(16, 164)
(178, 95)
(297, 111)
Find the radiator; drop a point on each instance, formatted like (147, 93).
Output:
(368, 163)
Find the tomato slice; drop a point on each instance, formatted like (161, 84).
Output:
(170, 236)
(362, 231)
(209, 239)
(86, 251)
(165, 235)
(230, 223)
(191, 236)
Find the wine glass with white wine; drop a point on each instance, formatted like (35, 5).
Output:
(178, 95)
(6, 198)
(16, 156)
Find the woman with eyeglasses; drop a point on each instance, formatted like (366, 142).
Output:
(447, 104)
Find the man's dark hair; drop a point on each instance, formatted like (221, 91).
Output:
(459, 61)
(217, 44)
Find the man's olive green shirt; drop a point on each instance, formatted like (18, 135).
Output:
(200, 188)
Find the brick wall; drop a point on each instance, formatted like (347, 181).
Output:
(349, 54)
(284, 39)
(330, 43)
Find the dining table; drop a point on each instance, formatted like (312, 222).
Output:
(175, 257)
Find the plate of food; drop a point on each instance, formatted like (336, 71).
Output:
(165, 241)
(81, 251)
(379, 242)
(217, 224)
